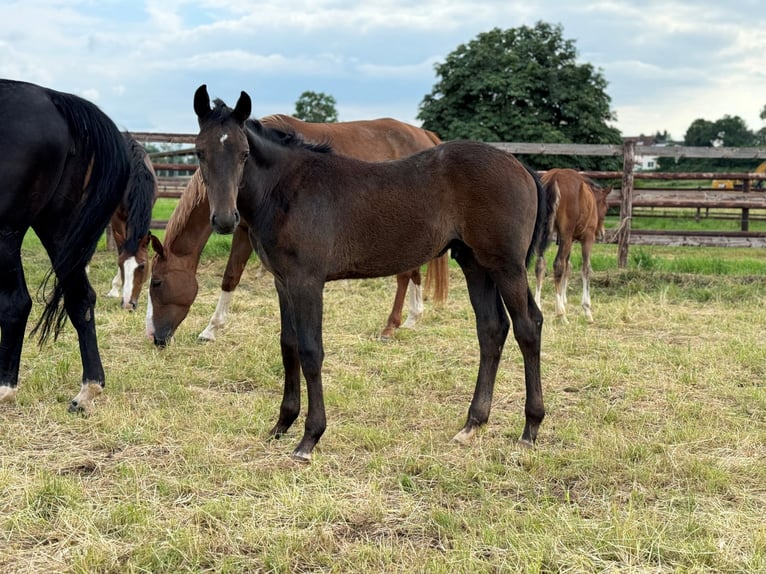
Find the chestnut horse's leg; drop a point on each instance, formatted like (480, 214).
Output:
(539, 277)
(492, 327)
(395, 318)
(15, 306)
(586, 244)
(416, 300)
(241, 249)
(560, 275)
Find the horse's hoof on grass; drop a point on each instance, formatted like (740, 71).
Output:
(8, 394)
(525, 444)
(464, 437)
(301, 456)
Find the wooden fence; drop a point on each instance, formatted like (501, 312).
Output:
(750, 203)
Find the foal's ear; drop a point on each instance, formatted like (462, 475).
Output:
(202, 102)
(159, 249)
(243, 108)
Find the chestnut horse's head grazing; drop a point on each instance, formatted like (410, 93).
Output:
(222, 151)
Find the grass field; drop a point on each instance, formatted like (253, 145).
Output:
(652, 457)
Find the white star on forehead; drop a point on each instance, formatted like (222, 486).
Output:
(224, 137)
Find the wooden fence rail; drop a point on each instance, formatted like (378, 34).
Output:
(626, 195)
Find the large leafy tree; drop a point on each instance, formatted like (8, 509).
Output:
(316, 107)
(524, 85)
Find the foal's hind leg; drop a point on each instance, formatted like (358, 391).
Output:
(15, 306)
(539, 277)
(560, 276)
(492, 329)
(527, 329)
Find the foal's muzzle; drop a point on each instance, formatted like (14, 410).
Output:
(225, 224)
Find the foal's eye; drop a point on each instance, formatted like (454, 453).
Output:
(156, 283)
(199, 153)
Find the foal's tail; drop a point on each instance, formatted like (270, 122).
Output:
(139, 196)
(99, 145)
(547, 203)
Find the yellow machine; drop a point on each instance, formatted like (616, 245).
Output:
(737, 184)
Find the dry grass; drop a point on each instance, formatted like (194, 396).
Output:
(651, 458)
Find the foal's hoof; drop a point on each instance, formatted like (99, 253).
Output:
(83, 402)
(526, 444)
(465, 436)
(301, 456)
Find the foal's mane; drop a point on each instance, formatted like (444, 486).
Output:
(287, 137)
(191, 197)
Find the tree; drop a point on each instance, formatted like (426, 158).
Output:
(729, 131)
(316, 107)
(521, 84)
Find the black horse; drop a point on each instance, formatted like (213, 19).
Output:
(316, 216)
(64, 167)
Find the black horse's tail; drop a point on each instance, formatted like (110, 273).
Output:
(139, 196)
(100, 146)
(547, 202)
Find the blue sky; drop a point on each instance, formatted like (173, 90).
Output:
(666, 63)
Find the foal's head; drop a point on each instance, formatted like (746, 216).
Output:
(222, 150)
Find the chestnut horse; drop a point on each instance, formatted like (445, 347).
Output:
(315, 216)
(579, 216)
(64, 170)
(133, 213)
(374, 140)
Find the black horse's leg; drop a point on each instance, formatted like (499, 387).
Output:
(527, 329)
(492, 327)
(15, 306)
(80, 303)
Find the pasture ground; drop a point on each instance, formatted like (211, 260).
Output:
(652, 457)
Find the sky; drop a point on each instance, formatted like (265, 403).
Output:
(666, 63)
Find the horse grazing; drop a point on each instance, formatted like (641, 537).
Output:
(579, 216)
(134, 213)
(374, 140)
(64, 169)
(315, 216)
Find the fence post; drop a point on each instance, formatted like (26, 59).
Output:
(626, 205)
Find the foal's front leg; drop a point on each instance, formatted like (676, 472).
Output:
(288, 342)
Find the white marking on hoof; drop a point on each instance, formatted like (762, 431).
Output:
(524, 443)
(464, 437)
(8, 394)
(83, 402)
